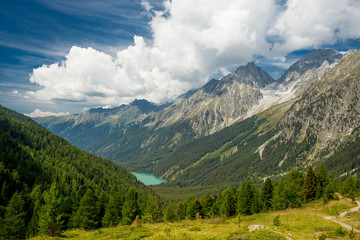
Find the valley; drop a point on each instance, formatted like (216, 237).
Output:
(241, 127)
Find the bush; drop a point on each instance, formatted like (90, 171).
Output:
(323, 236)
(276, 220)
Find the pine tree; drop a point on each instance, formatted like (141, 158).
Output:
(245, 199)
(113, 210)
(267, 193)
(50, 221)
(87, 213)
(206, 204)
(14, 223)
(310, 185)
(323, 177)
(152, 209)
(228, 202)
(193, 207)
(101, 205)
(131, 206)
(170, 212)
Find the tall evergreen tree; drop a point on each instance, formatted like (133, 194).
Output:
(206, 204)
(87, 213)
(323, 177)
(245, 199)
(50, 221)
(310, 185)
(170, 212)
(36, 198)
(152, 209)
(193, 207)
(267, 193)
(228, 202)
(131, 206)
(13, 225)
(113, 210)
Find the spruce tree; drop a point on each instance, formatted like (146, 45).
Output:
(113, 210)
(206, 204)
(310, 185)
(245, 199)
(50, 221)
(170, 212)
(267, 193)
(131, 206)
(193, 207)
(152, 209)
(87, 213)
(228, 202)
(14, 223)
(323, 177)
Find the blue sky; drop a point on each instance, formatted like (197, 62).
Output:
(67, 56)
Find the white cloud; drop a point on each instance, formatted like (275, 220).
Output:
(193, 40)
(39, 113)
(309, 23)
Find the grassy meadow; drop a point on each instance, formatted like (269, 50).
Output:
(307, 222)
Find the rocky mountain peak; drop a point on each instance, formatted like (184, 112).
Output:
(252, 74)
(314, 59)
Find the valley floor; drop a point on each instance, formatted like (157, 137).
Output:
(308, 222)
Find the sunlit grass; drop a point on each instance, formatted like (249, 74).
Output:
(302, 223)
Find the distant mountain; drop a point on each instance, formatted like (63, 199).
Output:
(321, 126)
(219, 103)
(148, 141)
(85, 128)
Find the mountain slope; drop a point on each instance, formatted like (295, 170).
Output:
(85, 128)
(143, 143)
(35, 163)
(321, 125)
(327, 116)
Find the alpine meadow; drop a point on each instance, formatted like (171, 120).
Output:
(185, 119)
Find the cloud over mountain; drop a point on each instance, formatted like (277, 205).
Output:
(190, 42)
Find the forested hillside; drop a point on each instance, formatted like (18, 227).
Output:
(48, 185)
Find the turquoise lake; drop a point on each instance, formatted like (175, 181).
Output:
(148, 179)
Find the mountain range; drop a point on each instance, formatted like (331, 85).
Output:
(245, 125)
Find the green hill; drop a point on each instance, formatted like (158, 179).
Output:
(40, 171)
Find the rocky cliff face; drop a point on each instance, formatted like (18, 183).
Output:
(220, 102)
(329, 110)
(311, 68)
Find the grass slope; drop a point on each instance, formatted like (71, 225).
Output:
(303, 223)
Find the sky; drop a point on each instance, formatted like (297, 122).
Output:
(65, 56)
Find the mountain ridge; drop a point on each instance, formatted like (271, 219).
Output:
(144, 145)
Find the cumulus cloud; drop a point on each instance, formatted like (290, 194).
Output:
(191, 41)
(39, 113)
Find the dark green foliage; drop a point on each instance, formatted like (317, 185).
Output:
(131, 206)
(248, 200)
(32, 159)
(310, 185)
(50, 222)
(13, 226)
(170, 212)
(152, 212)
(207, 204)
(228, 202)
(276, 220)
(287, 191)
(87, 214)
(323, 178)
(193, 207)
(113, 210)
(267, 193)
